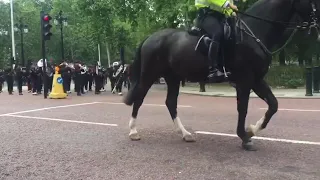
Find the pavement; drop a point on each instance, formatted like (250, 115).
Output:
(87, 138)
(225, 90)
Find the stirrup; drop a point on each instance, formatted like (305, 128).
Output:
(225, 72)
(199, 42)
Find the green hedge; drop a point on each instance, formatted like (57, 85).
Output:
(286, 76)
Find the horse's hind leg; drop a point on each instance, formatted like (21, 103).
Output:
(141, 94)
(264, 92)
(173, 84)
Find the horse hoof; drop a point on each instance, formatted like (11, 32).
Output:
(134, 137)
(189, 138)
(248, 146)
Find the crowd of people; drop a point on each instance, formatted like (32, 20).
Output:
(85, 78)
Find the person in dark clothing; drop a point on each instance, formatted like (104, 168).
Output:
(77, 79)
(36, 78)
(84, 80)
(19, 78)
(9, 78)
(119, 84)
(33, 79)
(119, 77)
(50, 72)
(28, 80)
(111, 76)
(126, 80)
(2, 79)
(66, 75)
(90, 77)
(98, 81)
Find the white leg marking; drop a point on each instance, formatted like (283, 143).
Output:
(133, 130)
(132, 126)
(187, 136)
(256, 128)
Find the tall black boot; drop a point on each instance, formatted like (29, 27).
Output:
(213, 57)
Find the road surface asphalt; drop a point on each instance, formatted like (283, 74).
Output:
(87, 138)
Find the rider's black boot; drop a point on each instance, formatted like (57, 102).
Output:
(213, 57)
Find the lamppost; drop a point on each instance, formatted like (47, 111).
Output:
(122, 40)
(62, 21)
(4, 32)
(23, 29)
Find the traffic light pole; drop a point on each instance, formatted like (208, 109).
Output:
(62, 48)
(122, 39)
(22, 50)
(44, 67)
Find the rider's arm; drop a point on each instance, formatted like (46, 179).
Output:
(226, 4)
(220, 3)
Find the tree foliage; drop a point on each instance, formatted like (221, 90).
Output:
(110, 23)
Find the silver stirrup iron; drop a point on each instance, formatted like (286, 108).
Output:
(225, 72)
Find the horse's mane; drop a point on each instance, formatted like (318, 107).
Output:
(260, 5)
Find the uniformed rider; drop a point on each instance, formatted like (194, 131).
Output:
(211, 14)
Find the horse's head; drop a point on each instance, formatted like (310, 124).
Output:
(309, 12)
(306, 7)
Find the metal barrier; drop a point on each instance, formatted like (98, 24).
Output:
(316, 79)
(309, 81)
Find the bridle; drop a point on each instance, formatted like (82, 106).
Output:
(311, 24)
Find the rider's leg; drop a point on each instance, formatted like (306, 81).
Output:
(214, 28)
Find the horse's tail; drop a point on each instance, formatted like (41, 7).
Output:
(135, 72)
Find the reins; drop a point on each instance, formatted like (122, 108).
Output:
(267, 20)
(302, 25)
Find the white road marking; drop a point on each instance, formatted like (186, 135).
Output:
(47, 108)
(298, 110)
(159, 105)
(62, 120)
(84, 104)
(261, 138)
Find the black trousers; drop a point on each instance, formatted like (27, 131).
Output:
(66, 82)
(10, 83)
(98, 82)
(19, 81)
(211, 23)
(50, 81)
(84, 84)
(113, 82)
(90, 82)
(78, 82)
(29, 83)
(39, 83)
(120, 84)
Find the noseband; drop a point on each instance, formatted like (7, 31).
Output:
(313, 22)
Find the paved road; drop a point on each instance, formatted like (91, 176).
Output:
(87, 138)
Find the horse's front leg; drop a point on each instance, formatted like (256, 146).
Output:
(264, 92)
(243, 93)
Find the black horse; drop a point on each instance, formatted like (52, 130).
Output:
(170, 53)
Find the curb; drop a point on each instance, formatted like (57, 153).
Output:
(251, 96)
